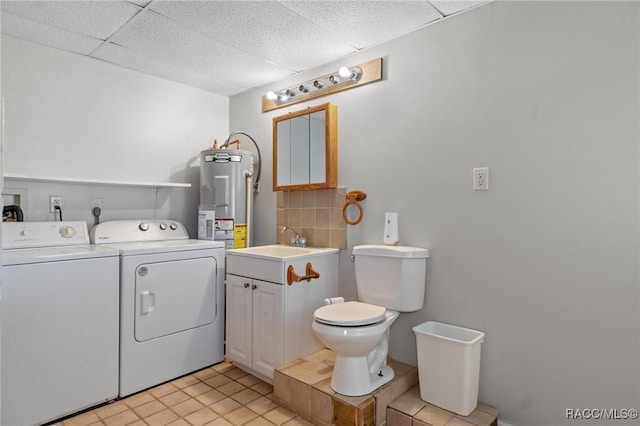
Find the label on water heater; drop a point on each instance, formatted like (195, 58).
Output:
(223, 231)
(240, 235)
(206, 219)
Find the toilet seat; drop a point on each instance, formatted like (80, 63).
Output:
(350, 314)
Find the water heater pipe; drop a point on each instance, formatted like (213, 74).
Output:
(248, 175)
(228, 142)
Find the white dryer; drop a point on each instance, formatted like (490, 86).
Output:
(60, 304)
(171, 300)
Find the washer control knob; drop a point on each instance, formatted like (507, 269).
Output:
(163, 226)
(67, 231)
(173, 226)
(144, 226)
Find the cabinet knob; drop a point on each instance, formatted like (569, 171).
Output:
(253, 287)
(246, 285)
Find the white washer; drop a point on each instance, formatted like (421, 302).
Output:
(59, 321)
(171, 300)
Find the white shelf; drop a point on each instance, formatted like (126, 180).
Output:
(31, 178)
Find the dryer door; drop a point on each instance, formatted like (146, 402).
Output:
(174, 296)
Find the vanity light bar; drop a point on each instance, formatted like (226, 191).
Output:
(345, 78)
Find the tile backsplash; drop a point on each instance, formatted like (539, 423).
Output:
(315, 215)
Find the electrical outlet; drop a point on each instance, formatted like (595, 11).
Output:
(55, 201)
(96, 202)
(481, 179)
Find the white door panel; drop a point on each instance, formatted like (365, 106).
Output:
(174, 296)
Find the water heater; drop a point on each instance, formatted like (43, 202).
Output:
(226, 182)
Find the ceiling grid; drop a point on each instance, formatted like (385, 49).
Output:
(225, 47)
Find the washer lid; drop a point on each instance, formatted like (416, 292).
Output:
(350, 314)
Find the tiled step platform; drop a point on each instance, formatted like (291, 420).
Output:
(410, 410)
(302, 386)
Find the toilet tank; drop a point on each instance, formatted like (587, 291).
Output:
(391, 276)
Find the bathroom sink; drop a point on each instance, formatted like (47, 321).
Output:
(280, 252)
(270, 262)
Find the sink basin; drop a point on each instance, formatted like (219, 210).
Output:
(280, 252)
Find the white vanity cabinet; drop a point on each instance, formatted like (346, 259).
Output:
(268, 320)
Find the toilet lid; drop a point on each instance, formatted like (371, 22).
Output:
(350, 314)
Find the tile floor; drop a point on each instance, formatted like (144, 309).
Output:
(221, 395)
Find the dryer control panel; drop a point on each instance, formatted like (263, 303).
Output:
(120, 231)
(43, 234)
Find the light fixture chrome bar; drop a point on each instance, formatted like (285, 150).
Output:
(345, 78)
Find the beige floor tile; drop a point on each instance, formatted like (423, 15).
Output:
(161, 418)
(223, 366)
(152, 407)
(205, 374)
(210, 397)
(225, 406)
(197, 389)
(174, 398)
(220, 421)
(123, 418)
(138, 399)
(179, 422)
(262, 388)
(246, 396)
(202, 416)
(231, 388)
(298, 421)
(262, 405)
(279, 415)
(221, 395)
(163, 390)
(217, 381)
(248, 380)
(185, 381)
(187, 407)
(259, 421)
(235, 373)
(111, 409)
(240, 416)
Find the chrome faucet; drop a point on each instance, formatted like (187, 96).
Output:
(297, 240)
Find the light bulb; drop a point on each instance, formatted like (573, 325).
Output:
(344, 72)
(272, 95)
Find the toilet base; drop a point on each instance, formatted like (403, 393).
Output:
(351, 376)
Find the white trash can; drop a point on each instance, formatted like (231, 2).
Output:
(449, 365)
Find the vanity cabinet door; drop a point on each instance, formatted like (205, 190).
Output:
(239, 319)
(268, 313)
(254, 324)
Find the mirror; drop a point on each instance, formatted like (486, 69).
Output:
(305, 149)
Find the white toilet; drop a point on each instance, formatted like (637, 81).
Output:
(389, 279)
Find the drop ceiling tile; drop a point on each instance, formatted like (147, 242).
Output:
(161, 39)
(264, 29)
(123, 57)
(141, 3)
(98, 19)
(25, 29)
(366, 23)
(449, 7)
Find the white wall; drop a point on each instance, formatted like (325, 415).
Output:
(546, 263)
(70, 116)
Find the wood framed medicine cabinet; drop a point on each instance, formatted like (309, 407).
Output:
(305, 149)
